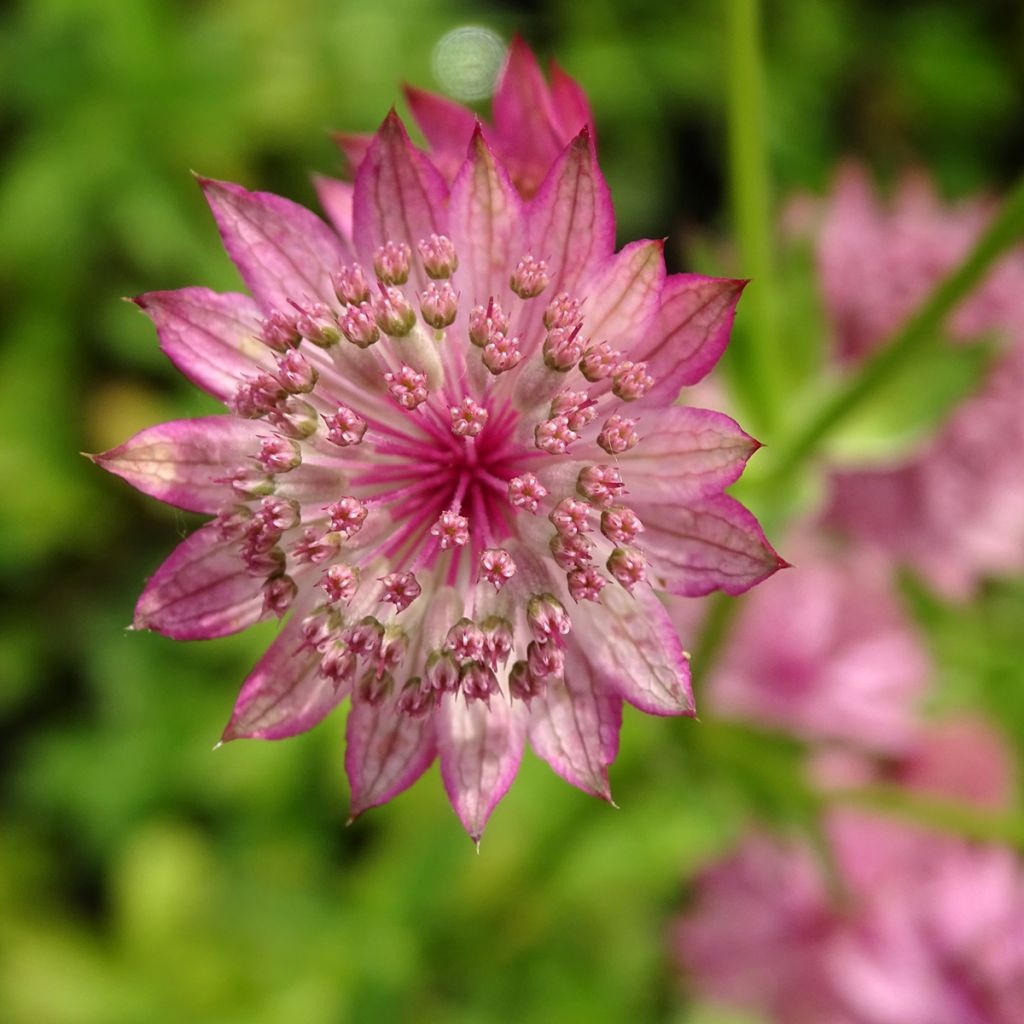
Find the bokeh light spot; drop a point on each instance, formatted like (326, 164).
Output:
(467, 62)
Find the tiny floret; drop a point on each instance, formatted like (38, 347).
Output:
(438, 256)
(618, 435)
(621, 525)
(400, 588)
(529, 278)
(468, 418)
(278, 331)
(571, 516)
(496, 567)
(628, 566)
(393, 312)
(451, 530)
(345, 427)
(407, 387)
(359, 324)
(391, 262)
(340, 583)
(487, 324)
(347, 516)
(439, 305)
(351, 286)
(526, 492)
(631, 381)
(599, 362)
(554, 435)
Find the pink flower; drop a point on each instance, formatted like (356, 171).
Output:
(926, 928)
(955, 509)
(467, 530)
(826, 653)
(533, 121)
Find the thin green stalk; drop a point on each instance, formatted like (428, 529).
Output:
(920, 333)
(757, 361)
(721, 610)
(947, 816)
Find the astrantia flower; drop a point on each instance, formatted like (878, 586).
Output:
(955, 508)
(826, 653)
(454, 457)
(926, 928)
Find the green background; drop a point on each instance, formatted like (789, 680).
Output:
(144, 878)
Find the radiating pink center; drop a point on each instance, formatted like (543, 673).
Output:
(441, 473)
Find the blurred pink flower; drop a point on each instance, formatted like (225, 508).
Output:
(825, 652)
(928, 929)
(533, 121)
(955, 509)
(440, 412)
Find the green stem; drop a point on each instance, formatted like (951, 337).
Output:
(757, 362)
(947, 816)
(919, 333)
(721, 610)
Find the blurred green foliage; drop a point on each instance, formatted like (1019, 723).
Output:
(143, 878)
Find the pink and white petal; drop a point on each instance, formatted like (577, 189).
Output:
(181, 462)
(282, 250)
(284, 694)
(633, 648)
(571, 218)
(480, 749)
(202, 591)
(524, 117)
(570, 103)
(386, 751)
(336, 198)
(447, 127)
(399, 195)
(354, 147)
(710, 544)
(211, 337)
(486, 224)
(686, 453)
(689, 332)
(623, 295)
(574, 726)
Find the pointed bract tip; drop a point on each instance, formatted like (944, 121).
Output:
(217, 745)
(612, 803)
(582, 139)
(392, 122)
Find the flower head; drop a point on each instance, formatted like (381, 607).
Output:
(467, 538)
(917, 927)
(954, 508)
(826, 653)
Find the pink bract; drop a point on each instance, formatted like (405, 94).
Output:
(955, 509)
(534, 119)
(454, 457)
(924, 927)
